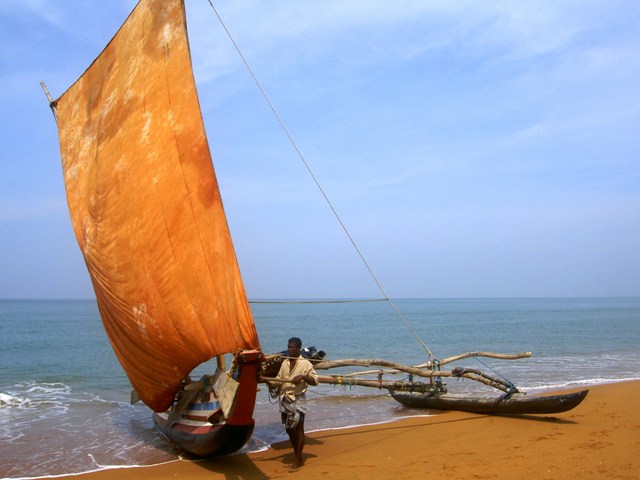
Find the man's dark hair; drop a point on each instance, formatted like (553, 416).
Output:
(296, 341)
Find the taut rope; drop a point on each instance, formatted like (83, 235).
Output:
(306, 164)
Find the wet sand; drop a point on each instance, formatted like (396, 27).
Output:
(599, 439)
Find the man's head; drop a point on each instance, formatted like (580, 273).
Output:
(294, 345)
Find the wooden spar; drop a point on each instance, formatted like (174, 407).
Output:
(221, 363)
(477, 375)
(354, 362)
(348, 381)
(374, 372)
(327, 365)
(462, 356)
(52, 106)
(135, 398)
(427, 370)
(46, 92)
(471, 374)
(501, 356)
(191, 391)
(342, 380)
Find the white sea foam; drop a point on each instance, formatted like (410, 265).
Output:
(577, 383)
(100, 467)
(10, 401)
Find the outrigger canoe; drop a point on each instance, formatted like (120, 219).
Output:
(515, 404)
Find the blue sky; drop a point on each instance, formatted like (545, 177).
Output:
(473, 149)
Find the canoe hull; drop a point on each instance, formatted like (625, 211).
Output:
(518, 404)
(199, 425)
(204, 439)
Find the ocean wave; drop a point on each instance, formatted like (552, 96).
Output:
(31, 394)
(577, 383)
(26, 396)
(8, 401)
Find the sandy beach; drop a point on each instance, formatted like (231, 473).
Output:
(598, 439)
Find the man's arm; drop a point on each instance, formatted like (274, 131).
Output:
(313, 376)
(310, 377)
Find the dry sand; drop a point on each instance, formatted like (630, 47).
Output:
(599, 439)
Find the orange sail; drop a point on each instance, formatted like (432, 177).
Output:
(146, 208)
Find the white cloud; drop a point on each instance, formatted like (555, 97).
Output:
(408, 28)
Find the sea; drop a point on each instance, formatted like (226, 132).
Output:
(65, 401)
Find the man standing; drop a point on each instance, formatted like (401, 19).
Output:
(297, 373)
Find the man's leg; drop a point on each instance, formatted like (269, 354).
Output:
(299, 461)
(296, 436)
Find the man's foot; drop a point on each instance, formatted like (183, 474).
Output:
(297, 465)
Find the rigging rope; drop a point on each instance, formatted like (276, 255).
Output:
(326, 198)
(511, 385)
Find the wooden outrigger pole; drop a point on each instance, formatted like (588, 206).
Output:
(429, 370)
(350, 380)
(433, 393)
